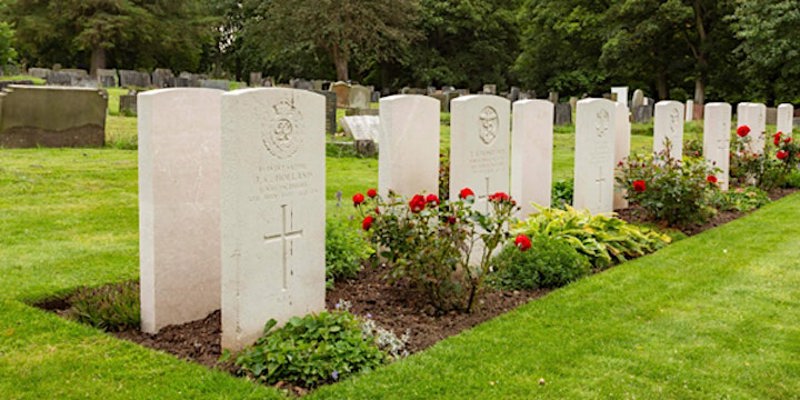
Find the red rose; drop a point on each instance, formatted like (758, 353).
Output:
(417, 203)
(522, 242)
(358, 198)
(451, 220)
(372, 193)
(743, 130)
(787, 140)
(432, 199)
(465, 193)
(377, 210)
(499, 197)
(782, 154)
(711, 179)
(776, 138)
(367, 222)
(639, 186)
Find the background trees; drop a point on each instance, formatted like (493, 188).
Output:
(702, 49)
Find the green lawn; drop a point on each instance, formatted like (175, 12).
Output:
(713, 316)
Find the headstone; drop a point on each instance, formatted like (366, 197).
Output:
(638, 99)
(772, 116)
(754, 116)
(784, 119)
(137, 79)
(622, 94)
(532, 154)
(40, 73)
(595, 139)
(330, 111)
(689, 110)
(668, 125)
(359, 97)
(301, 84)
(107, 77)
(513, 94)
(489, 89)
(479, 147)
(408, 162)
(256, 80)
(553, 97)
(162, 77)
(272, 209)
(622, 149)
(698, 112)
(643, 114)
(179, 197)
(573, 102)
(189, 79)
(375, 96)
(317, 84)
(563, 114)
(128, 104)
(362, 127)
(649, 101)
(219, 84)
(342, 90)
(46, 116)
(716, 139)
(58, 78)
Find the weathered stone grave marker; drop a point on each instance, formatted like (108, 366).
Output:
(716, 139)
(594, 155)
(532, 154)
(359, 97)
(342, 90)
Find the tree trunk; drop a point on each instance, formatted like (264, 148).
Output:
(340, 61)
(661, 86)
(699, 91)
(98, 60)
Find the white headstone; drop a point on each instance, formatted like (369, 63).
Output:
(179, 178)
(479, 146)
(716, 139)
(595, 139)
(622, 149)
(362, 127)
(408, 162)
(273, 209)
(531, 154)
(755, 116)
(785, 117)
(622, 94)
(360, 97)
(668, 125)
(689, 110)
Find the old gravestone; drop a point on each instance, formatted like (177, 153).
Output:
(716, 139)
(342, 90)
(563, 114)
(272, 209)
(622, 149)
(408, 162)
(359, 97)
(553, 97)
(479, 147)
(40, 73)
(668, 126)
(128, 104)
(638, 99)
(489, 89)
(513, 94)
(129, 78)
(689, 111)
(256, 79)
(107, 77)
(219, 84)
(162, 77)
(531, 154)
(330, 111)
(784, 119)
(622, 94)
(49, 116)
(301, 84)
(643, 114)
(365, 131)
(595, 139)
(58, 78)
(179, 199)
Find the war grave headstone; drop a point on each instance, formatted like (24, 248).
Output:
(622, 94)
(179, 200)
(359, 97)
(668, 126)
(595, 139)
(622, 149)
(531, 154)
(51, 116)
(716, 139)
(754, 116)
(408, 162)
(365, 131)
(342, 90)
(689, 110)
(272, 209)
(219, 84)
(563, 114)
(784, 119)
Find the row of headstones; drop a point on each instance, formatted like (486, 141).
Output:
(160, 78)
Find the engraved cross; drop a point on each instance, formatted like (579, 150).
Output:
(485, 196)
(600, 181)
(285, 237)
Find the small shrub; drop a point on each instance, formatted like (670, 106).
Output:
(311, 351)
(670, 190)
(741, 199)
(769, 170)
(549, 263)
(345, 249)
(113, 308)
(602, 239)
(562, 193)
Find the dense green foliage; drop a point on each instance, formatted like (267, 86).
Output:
(603, 239)
(549, 263)
(344, 250)
(701, 49)
(311, 351)
(112, 308)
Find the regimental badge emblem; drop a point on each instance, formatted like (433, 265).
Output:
(602, 123)
(489, 122)
(283, 135)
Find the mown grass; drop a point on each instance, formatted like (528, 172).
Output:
(711, 316)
